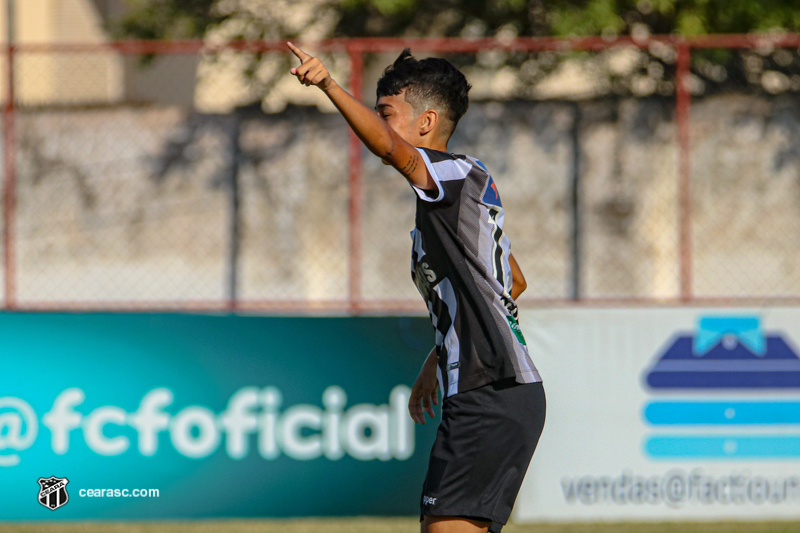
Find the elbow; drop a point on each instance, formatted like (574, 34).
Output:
(384, 147)
(384, 153)
(521, 286)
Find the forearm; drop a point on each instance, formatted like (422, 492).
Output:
(432, 360)
(373, 131)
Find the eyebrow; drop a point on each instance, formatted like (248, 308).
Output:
(378, 107)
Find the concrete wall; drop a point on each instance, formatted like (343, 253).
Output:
(132, 203)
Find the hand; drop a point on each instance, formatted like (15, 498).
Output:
(311, 70)
(424, 393)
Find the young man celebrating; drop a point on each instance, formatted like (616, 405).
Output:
(493, 401)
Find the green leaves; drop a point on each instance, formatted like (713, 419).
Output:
(685, 17)
(713, 69)
(596, 17)
(162, 19)
(388, 8)
(179, 19)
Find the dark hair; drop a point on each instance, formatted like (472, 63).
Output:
(431, 82)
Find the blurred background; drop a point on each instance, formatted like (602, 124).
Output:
(160, 161)
(158, 154)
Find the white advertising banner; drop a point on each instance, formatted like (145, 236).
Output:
(665, 414)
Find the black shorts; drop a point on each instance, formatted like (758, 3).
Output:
(483, 447)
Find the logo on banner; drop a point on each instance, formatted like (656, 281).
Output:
(303, 432)
(53, 492)
(726, 355)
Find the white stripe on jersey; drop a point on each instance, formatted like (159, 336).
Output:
(495, 218)
(449, 170)
(416, 238)
(446, 293)
(439, 341)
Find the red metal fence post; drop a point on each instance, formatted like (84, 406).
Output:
(356, 55)
(682, 107)
(10, 166)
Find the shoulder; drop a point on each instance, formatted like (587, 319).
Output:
(436, 156)
(439, 156)
(450, 172)
(459, 164)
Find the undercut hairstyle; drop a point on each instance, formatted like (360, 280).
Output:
(431, 83)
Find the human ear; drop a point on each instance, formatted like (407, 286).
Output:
(428, 121)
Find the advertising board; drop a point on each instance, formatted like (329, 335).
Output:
(666, 413)
(219, 415)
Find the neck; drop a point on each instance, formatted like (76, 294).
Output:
(433, 144)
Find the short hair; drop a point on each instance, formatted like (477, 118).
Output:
(431, 83)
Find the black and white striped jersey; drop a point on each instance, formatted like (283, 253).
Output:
(460, 265)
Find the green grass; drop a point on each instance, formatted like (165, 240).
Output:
(383, 525)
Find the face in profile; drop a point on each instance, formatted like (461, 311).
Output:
(400, 116)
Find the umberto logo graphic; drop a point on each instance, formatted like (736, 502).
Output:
(717, 370)
(302, 432)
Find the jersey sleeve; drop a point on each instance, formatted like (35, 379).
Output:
(442, 170)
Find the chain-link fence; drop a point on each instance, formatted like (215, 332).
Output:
(155, 175)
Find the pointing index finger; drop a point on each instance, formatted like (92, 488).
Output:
(302, 56)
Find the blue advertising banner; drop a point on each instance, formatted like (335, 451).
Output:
(140, 416)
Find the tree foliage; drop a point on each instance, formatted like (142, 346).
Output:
(173, 19)
(715, 69)
(162, 19)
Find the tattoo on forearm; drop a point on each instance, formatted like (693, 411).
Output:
(411, 165)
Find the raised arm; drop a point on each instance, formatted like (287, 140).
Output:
(373, 131)
(518, 280)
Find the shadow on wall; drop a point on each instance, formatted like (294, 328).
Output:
(152, 203)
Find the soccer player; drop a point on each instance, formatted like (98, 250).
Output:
(493, 406)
